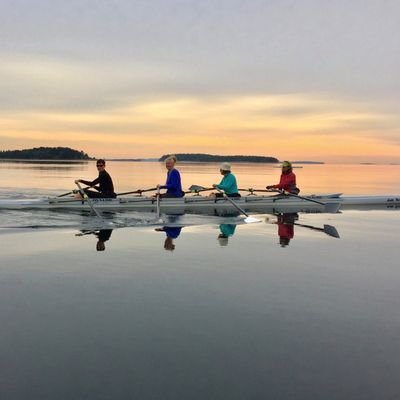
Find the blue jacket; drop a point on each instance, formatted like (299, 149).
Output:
(172, 231)
(173, 184)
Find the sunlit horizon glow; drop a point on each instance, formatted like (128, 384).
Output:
(118, 93)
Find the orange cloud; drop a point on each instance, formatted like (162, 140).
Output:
(287, 126)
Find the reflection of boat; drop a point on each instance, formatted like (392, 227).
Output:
(199, 204)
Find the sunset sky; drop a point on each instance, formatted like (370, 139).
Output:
(298, 79)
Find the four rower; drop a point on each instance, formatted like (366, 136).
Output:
(227, 186)
(287, 182)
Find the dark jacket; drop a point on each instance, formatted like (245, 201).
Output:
(106, 186)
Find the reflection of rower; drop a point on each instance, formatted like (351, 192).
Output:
(102, 235)
(172, 233)
(286, 224)
(227, 230)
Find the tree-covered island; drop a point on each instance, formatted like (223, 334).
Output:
(200, 157)
(45, 153)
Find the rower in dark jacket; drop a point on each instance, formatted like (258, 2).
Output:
(105, 188)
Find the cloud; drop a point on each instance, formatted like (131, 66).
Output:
(294, 124)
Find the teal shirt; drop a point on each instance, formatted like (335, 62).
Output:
(227, 229)
(228, 184)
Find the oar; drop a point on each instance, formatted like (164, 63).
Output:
(329, 207)
(83, 194)
(71, 192)
(158, 206)
(65, 194)
(197, 189)
(248, 219)
(138, 191)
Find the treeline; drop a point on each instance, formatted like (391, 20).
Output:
(45, 153)
(200, 157)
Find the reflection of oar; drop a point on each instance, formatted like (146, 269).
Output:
(248, 219)
(328, 229)
(138, 191)
(85, 233)
(83, 194)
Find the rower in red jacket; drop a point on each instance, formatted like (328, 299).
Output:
(287, 182)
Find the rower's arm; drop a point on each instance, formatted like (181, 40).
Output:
(226, 183)
(90, 183)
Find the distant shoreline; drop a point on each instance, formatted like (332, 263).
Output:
(145, 160)
(45, 153)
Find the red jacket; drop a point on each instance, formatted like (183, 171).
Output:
(287, 182)
(285, 230)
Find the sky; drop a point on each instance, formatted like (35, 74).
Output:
(294, 79)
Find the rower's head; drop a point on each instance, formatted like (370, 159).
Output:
(287, 167)
(284, 241)
(100, 246)
(170, 162)
(100, 164)
(169, 244)
(223, 240)
(225, 168)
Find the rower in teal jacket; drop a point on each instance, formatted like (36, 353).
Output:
(228, 183)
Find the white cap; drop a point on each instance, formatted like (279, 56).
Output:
(225, 166)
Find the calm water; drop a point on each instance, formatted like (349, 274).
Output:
(40, 178)
(210, 308)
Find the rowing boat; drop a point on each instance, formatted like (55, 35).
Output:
(199, 204)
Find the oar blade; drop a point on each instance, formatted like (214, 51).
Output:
(331, 231)
(196, 188)
(251, 220)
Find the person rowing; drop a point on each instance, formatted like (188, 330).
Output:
(173, 184)
(287, 182)
(228, 182)
(105, 188)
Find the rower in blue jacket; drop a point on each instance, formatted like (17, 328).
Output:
(173, 184)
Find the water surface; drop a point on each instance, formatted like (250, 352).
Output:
(209, 308)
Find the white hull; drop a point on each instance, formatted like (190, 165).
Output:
(194, 204)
